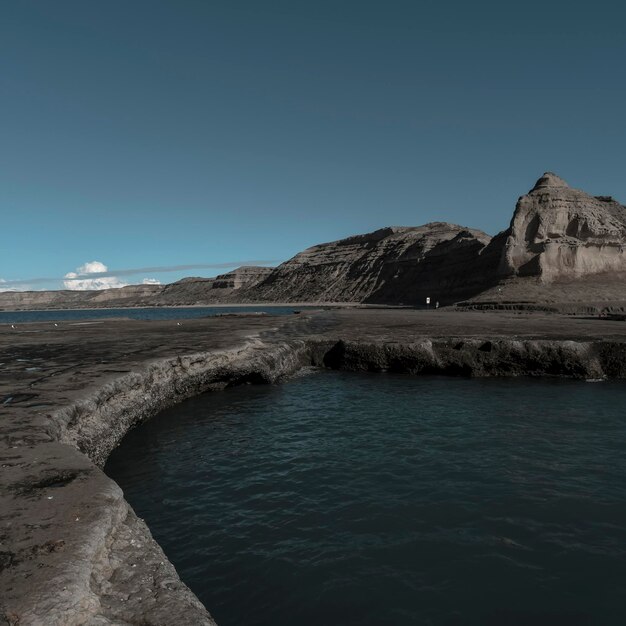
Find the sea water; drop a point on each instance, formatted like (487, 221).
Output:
(342, 498)
(147, 313)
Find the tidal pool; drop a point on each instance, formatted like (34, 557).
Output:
(342, 498)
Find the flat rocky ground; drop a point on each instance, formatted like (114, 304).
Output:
(71, 549)
(62, 362)
(595, 293)
(408, 324)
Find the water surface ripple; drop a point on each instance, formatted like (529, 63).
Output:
(382, 499)
(139, 313)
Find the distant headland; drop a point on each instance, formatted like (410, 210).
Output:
(564, 250)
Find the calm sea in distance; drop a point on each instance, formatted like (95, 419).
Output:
(148, 313)
(378, 499)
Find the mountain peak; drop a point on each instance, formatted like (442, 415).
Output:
(549, 179)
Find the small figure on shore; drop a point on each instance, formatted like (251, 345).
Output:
(437, 304)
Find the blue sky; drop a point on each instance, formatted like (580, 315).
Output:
(164, 133)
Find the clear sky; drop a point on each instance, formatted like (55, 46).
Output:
(145, 133)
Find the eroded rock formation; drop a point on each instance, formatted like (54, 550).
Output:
(131, 295)
(192, 290)
(244, 276)
(558, 236)
(561, 242)
(560, 232)
(400, 265)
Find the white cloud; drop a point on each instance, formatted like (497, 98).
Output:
(98, 282)
(151, 281)
(92, 267)
(3, 288)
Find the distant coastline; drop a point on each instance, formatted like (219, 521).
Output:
(223, 305)
(565, 250)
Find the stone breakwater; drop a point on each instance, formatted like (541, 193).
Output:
(72, 551)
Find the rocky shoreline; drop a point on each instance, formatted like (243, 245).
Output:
(564, 250)
(72, 551)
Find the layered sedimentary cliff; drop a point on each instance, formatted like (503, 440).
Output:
(559, 232)
(244, 276)
(391, 265)
(223, 288)
(564, 248)
(131, 295)
(188, 291)
(557, 236)
(564, 251)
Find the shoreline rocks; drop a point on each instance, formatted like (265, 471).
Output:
(72, 550)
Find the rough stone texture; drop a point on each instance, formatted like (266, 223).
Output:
(187, 291)
(594, 294)
(564, 248)
(244, 276)
(71, 549)
(132, 295)
(400, 265)
(74, 552)
(559, 237)
(560, 232)
(192, 290)
(564, 251)
(222, 288)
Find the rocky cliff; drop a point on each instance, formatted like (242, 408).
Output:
(560, 242)
(558, 236)
(192, 290)
(131, 295)
(560, 232)
(222, 288)
(245, 276)
(392, 265)
(564, 251)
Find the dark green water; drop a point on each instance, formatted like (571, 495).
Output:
(150, 313)
(377, 499)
